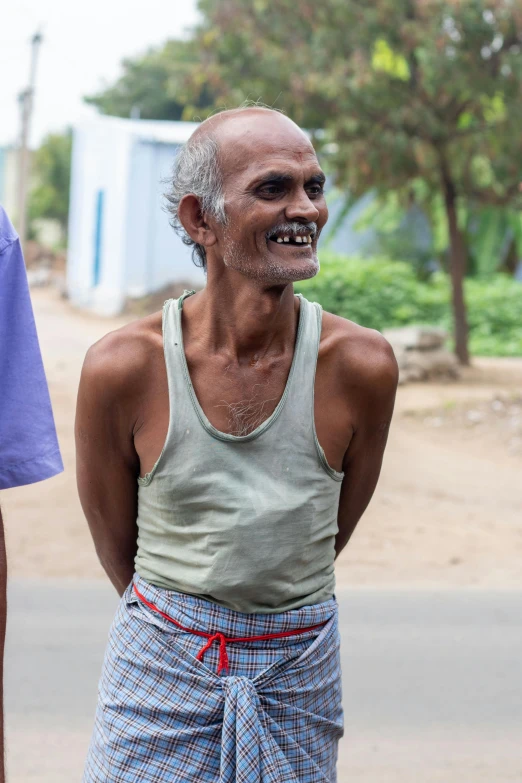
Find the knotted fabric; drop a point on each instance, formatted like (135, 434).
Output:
(272, 716)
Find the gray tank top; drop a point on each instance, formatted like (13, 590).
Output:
(248, 522)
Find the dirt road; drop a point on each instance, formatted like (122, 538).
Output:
(447, 510)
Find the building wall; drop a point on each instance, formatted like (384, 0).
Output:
(155, 255)
(120, 241)
(97, 218)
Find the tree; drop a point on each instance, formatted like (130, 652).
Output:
(418, 96)
(49, 196)
(155, 85)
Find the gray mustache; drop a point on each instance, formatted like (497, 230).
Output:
(293, 228)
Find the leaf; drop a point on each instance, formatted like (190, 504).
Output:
(488, 239)
(386, 60)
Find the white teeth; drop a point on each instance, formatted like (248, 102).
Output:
(301, 240)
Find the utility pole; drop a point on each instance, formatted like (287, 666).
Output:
(25, 100)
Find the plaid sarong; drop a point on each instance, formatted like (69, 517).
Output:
(163, 715)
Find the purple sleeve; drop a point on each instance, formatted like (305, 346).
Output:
(29, 449)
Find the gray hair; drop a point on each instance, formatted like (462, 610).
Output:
(196, 171)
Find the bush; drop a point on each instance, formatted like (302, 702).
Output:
(380, 293)
(495, 316)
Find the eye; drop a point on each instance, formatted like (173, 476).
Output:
(315, 190)
(270, 190)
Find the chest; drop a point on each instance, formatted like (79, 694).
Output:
(236, 399)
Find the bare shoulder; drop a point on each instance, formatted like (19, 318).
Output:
(118, 363)
(362, 357)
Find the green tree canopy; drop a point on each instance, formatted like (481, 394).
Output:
(156, 85)
(51, 174)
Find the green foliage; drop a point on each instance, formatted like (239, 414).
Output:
(399, 85)
(379, 293)
(376, 292)
(386, 60)
(51, 173)
(402, 231)
(495, 316)
(489, 232)
(154, 84)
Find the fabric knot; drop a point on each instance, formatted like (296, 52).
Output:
(242, 733)
(234, 685)
(223, 657)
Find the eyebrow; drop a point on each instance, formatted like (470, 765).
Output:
(279, 178)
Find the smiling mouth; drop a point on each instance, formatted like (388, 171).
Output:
(298, 240)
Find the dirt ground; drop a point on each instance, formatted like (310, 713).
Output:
(447, 510)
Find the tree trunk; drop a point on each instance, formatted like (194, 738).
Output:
(458, 258)
(510, 264)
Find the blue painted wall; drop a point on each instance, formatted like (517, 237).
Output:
(98, 237)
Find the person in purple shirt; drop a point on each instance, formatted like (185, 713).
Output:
(29, 450)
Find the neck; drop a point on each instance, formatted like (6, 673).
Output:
(243, 317)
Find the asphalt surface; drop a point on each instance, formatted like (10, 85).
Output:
(432, 682)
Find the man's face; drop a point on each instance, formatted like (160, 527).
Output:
(274, 200)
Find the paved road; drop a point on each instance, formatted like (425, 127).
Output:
(432, 683)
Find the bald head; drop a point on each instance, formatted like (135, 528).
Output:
(233, 122)
(241, 134)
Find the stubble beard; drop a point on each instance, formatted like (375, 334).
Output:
(266, 269)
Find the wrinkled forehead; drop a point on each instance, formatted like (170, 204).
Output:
(247, 145)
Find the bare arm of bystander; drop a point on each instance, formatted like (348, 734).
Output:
(107, 464)
(372, 387)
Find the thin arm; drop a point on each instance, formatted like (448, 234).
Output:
(107, 465)
(363, 460)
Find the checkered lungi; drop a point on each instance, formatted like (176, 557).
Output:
(163, 715)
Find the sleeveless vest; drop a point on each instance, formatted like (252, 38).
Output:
(247, 522)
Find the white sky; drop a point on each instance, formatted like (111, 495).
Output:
(83, 45)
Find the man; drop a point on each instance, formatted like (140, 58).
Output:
(28, 446)
(254, 426)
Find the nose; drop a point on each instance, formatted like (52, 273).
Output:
(302, 207)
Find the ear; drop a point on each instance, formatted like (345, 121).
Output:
(194, 221)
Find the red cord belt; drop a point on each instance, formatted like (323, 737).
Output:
(221, 638)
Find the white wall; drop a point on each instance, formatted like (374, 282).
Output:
(139, 251)
(100, 162)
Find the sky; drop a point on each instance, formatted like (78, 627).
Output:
(82, 48)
